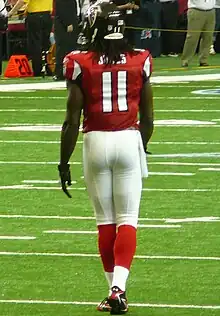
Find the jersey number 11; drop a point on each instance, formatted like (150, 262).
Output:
(107, 103)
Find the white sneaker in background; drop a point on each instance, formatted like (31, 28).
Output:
(173, 55)
(212, 50)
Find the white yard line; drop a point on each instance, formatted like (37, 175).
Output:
(187, 174)
(175, 163)
(57, 217)
(34, 163)
(30, 142)
(36, 142)
(31, 124)
(172, 163)
(210, 169)
(65, 98)
(184, 143)
(63, 110)
(91, 232)
(180, 190)
(81, 303)
(193, 219)
(158, 226)
(83, 232)
(44, 188)
(32, 110)
(7, 216)
(184, 155)
(31, 187)
(49, 217)
(187, 98)
(25, 97)
(179, 125)
(81, 142)
(183, 86)
(42, 181)
(188, 155)
(187, 111)
(182, 174)
(57, 128)
(17, 238)
(84, 255)
(62, 85)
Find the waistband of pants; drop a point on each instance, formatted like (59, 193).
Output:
(202, 9)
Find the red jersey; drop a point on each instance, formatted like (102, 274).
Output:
(111, 92)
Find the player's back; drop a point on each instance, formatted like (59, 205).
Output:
(111, 91)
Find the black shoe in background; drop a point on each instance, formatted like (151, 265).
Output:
(203, 65)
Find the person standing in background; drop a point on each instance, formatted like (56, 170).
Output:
(39, 25)
(169, 17)
(201, 24)
(66, 31)
(3, 13)
(217, 26)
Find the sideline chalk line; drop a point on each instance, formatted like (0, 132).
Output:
(62, 85)
(146, 305)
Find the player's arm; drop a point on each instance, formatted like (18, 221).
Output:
(69, 133)
(70, 128)
(146, 114)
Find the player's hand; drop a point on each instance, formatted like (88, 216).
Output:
(65, 177)
(70, 28)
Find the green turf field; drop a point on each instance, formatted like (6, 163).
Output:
(52, 268)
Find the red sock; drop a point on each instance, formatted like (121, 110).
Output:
(106, 241)
(125, 246)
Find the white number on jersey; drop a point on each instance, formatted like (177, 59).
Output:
(107, 91)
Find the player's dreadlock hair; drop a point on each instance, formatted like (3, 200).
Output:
(111, 50)
(103, 32)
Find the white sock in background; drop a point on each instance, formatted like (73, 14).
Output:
(120, 277)
(109, 278)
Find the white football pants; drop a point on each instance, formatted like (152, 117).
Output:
(114, 163)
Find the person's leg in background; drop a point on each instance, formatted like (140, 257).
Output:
(206, 38)
(46, 30)
(169, 21)
(217, 28)
(59, 31)
(34, 36)
(65, 43)
(181, 36)
(196, 21)
(1, 52)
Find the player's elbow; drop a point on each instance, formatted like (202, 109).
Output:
(147, 121)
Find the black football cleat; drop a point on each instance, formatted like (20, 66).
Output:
(118, 301)
(104, 306)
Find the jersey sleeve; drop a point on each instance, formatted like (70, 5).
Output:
(147, 67)
(71, 68)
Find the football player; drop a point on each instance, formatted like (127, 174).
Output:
(110, 84)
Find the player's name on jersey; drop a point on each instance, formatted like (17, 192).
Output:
(103, 60)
